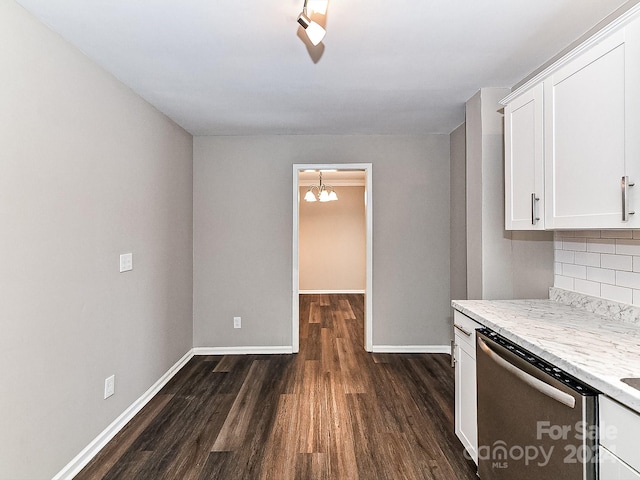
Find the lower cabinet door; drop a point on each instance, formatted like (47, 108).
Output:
(612, 468)
(465, 397)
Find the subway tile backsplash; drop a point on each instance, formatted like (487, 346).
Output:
(600, 263)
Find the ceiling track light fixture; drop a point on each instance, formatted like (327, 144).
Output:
(325, 193)
(314, 31)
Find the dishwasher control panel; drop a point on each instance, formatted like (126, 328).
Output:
(539, 363)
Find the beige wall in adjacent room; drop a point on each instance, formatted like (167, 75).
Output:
(88, 170)
(243, 224)
(332, 242)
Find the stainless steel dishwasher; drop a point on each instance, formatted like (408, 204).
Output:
(535, 421)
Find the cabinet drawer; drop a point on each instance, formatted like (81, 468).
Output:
(620, 431)
(612, 468)
(465, 328)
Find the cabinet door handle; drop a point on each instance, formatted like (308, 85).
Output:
(624, 186)
(534, 199)
(466, 332)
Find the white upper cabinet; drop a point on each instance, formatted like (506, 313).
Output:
(592, 133)
(572, 137)
(524, 161)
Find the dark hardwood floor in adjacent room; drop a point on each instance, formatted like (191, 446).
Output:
(333, 411)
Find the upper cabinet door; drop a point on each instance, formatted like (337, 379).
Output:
(592, 133)
(524, 162)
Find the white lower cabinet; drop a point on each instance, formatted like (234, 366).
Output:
(466, 424)
(619, 431)
(612, 468)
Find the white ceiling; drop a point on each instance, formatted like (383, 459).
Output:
(232, 67)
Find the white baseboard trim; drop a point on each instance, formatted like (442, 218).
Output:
(330, 292)
(242, 350)
(91, 450)
(412, 349)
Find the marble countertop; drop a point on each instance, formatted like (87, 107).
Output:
(597, 349)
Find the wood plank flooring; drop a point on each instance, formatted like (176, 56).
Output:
(333, 411)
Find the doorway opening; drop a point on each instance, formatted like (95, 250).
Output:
(362, 168)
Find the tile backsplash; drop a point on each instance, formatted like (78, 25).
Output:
(600, 263)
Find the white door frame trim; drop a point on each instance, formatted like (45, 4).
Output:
(368, 308)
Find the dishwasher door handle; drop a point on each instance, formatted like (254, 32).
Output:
(533, 382)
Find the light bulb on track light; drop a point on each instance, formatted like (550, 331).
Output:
(318, 6)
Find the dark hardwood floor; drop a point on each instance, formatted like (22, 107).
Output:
(333, 411)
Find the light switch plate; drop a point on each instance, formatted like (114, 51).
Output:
(126, 262)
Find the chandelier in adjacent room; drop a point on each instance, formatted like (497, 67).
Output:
(324, 193)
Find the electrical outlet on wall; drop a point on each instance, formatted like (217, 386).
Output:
(237, 322)
(109, 386)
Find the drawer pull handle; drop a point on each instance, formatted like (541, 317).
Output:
(466, 332)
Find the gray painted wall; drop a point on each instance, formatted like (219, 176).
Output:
(474, 204)
(88, 170)
(500, 264)
(497, 264)
(458, 226)
(243, 235)
(532, 256)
